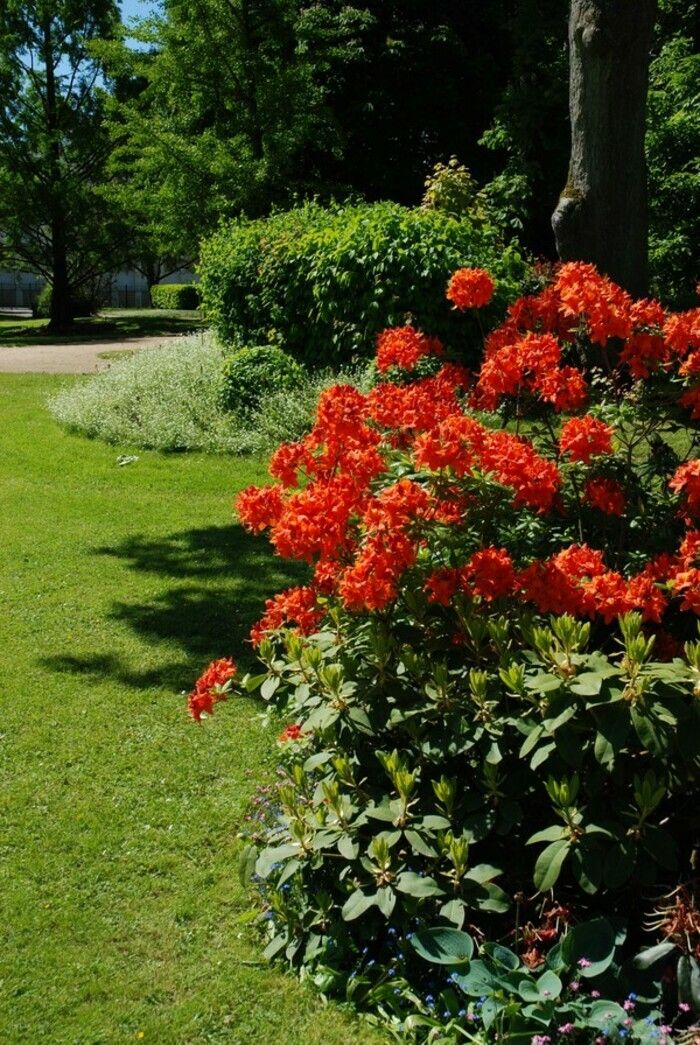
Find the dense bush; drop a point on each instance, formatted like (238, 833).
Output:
(175, 296)
(492, 677)
(86, 302)
(673, 151)
(251, 375)
(323, 282)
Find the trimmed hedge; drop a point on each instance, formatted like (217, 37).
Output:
(323, 281)
(250, 375)
(85, 303)
(175, 296)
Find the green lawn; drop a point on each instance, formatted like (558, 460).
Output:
(111, 324)
(121, 912)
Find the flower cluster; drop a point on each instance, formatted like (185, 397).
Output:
(339, 506)
(211, 687)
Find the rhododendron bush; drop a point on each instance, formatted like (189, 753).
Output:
(492, 679)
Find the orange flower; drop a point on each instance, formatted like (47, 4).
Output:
(470, 288)
(585, 437)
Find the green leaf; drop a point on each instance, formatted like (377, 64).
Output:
(652, 955)
(419, 845)
(541, 755)
(586, 865)
(357, 904)
(477, 981)
(443, 946)
(246, 864)
(386, 900)
(252, 682)
(347, 847)
(549, 834)
(483, 873)
(591, 942)
(274, 947)
(531, 741)
(270, 687)
(588, 683)
(549, 864)
(619, 863)
(502, 956)
(418, 885)
(605, 1014)
(454, 912)
(276, 854)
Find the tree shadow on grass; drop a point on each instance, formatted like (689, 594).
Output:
(219, 580)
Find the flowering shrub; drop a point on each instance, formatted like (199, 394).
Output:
(491, 677)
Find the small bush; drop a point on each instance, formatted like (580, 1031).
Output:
(323, 281)
(175, 296)
(85, 302)
(252, 374)
(162, 399)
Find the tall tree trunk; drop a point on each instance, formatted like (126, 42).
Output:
(61, 315)
(602, 212)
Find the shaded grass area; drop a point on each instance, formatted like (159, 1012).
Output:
(109, 325)
(122, 914)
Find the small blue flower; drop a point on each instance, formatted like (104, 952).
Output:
(462, 1012)
(429, 999)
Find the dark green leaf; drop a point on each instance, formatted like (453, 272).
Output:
(443, 946)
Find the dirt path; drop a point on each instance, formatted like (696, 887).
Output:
(79, 358)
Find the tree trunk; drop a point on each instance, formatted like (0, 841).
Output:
(61, 315)
(602, 212)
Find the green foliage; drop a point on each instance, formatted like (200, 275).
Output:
(324, 281)
(83, 302)
(54, 219)
(673, 153)
(175, 296)
(450, 188)
(250, 375)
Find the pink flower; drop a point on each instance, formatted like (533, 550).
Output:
(583, 963)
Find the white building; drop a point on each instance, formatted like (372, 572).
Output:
(128, 289)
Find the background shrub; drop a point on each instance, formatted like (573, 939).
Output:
(163, 399)
(324, 281)
(86, 301)
(252, 374)
(175, 295)
(170, 398)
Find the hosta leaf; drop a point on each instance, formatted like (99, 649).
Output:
(606, 1014)
(454, 912)
(443, 946)
(502, 956)
(549, 864)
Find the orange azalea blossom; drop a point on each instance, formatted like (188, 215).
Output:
(294, 606)
(209, 690)
(366, 497)
(585, 437)
(470, 288)
(606, 495)
(291, 732)
(403, 347)
(686, 483)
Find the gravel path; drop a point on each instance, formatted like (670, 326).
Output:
(80, 358)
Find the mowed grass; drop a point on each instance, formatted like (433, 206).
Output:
(121, 912)
(110, 324)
